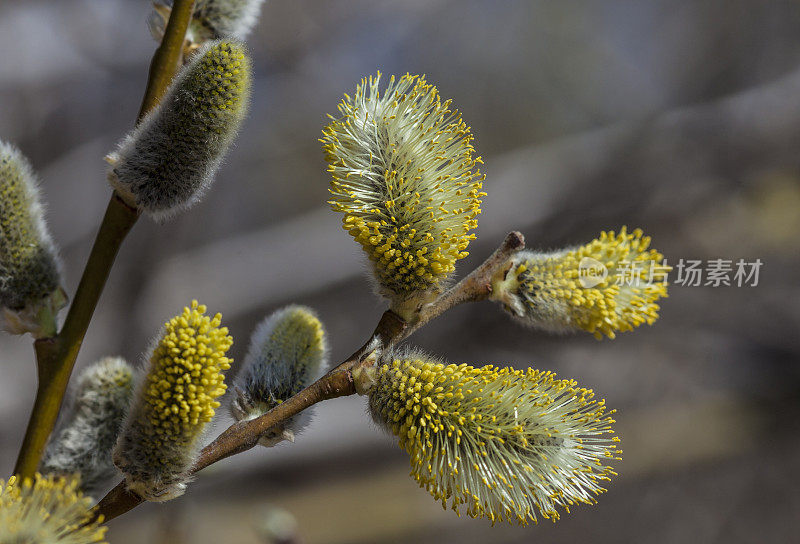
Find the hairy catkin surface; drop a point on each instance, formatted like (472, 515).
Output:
(168, 162)
(83, 445)
(173, 403)
(29, 268)
(287, 352)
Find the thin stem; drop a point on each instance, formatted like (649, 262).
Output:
(167, 57)
(390, 330)
(55, 357)
(476, 286)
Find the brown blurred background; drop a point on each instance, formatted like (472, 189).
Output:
(681, 117)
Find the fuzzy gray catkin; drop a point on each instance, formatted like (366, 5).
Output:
(169, 160)
(287, 351)
(29, 267)
(83, 446)
(211, 19)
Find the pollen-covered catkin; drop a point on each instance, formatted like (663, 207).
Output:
(29, 267)
(211, 19)
(503, 442)
(609, 285)
(406, 180)
(83, 446)
(169, 160)
(287, 352)
(47, 510)
(172, 404)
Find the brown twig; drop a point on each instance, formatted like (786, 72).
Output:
(391, 329)
(55, 357)
(476, 286)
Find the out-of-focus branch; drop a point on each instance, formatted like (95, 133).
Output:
(390, 330)
(55, 357)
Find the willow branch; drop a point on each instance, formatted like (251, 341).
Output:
(390, 330)
(476, 286)
(55, 357)
(167, 57)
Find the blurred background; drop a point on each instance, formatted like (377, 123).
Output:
(681, 117)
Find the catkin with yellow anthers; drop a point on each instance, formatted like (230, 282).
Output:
(503, 442)
(47, 510)
(169, 160)
(407, 182)
(607, 286)
(30, 292)
(287, 352)
(172, 405)
(84, 443)
(211, 19)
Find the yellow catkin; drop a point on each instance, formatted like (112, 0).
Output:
(407, 182)
(503, 442)
(47, 510)
(607, 286)
(175, 401)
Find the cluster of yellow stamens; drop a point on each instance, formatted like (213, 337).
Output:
(175, 401)
(609, 285)
(47, 510)
(402, 167)
(502, 441)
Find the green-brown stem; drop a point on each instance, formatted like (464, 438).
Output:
(55, 357)
(167, 57)
(390, 330)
